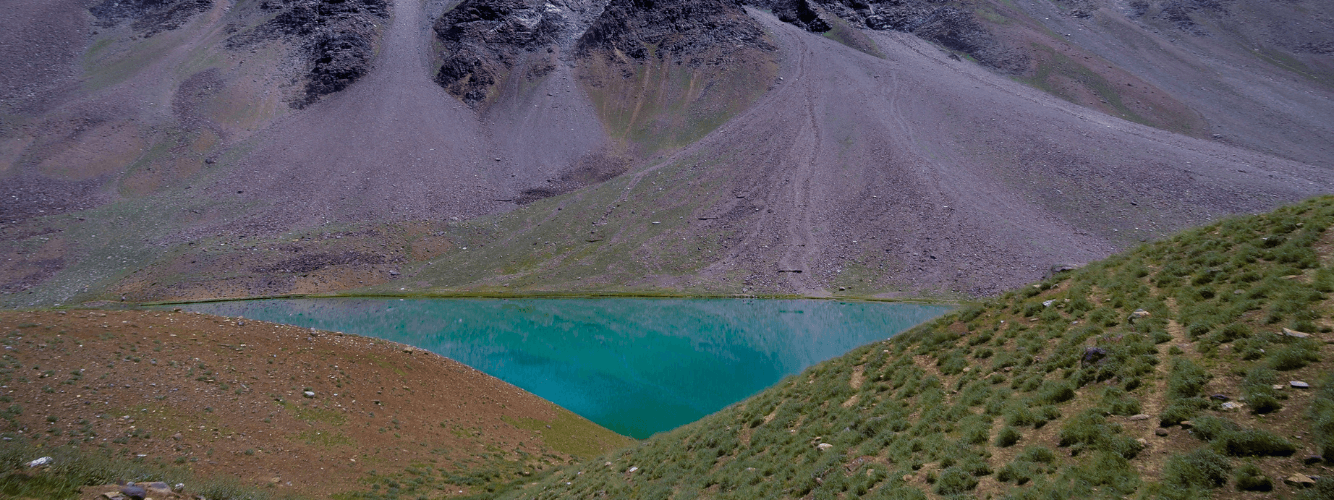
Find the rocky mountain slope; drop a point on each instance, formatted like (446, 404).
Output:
(174, 150)
(1197, 366)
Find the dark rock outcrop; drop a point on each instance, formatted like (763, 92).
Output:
(484, 39)
(673, 28)
(951, 26)
(336, 39)
(148, 17)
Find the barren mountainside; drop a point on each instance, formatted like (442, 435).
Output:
(899, 148)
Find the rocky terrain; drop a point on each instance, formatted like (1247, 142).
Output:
(289, 410)
(336, 39)
(949, 24)
(855, 148)
(148, 17)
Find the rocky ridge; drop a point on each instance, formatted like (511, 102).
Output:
(943, 22)
(484, 40)
(336, 39)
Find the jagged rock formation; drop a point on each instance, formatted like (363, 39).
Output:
(672, 28)
(484, 39)
(336, 39)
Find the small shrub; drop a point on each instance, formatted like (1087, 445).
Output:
(955, 480)
(1039, 454)
(1232, 332)
(1256, 443)
(1007, 437)
(1294, 356)
(1202, 468)
(1179, 411)
(1259, 392)
(1117, 402)
(1186, 379)
(1019, 471)
(1092, 430)
(1249, 478)
(1056, 392)
(1235, 440)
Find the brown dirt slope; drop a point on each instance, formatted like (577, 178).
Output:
(224, 398)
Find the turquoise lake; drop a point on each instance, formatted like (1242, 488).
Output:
(635, 366)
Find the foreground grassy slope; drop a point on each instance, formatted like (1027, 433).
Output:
(1119, 379)
(231, 407)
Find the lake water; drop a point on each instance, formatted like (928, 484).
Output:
(635, 366)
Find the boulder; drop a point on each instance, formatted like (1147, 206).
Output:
(158, 489)
(1299, 481)
(134, 491)
(1294, 333)
(41, 461)
(1137, 315)
(1091, 355)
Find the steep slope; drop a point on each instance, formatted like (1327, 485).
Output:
(1257, 74)
(1249, 73)
(860, 148)
(227, 400)
(873, 189)
(1199, 365)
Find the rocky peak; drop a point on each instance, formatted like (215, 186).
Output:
(484, 39)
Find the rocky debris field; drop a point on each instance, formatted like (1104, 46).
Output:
(292, 409)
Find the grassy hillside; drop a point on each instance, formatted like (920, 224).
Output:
(247, 409)
(1161, 372)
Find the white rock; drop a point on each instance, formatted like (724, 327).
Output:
(1295, 333)
(41, 461)
(824, 446)
(309, 394)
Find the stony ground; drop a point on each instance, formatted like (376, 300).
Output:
(875, 162)
(296, 410)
